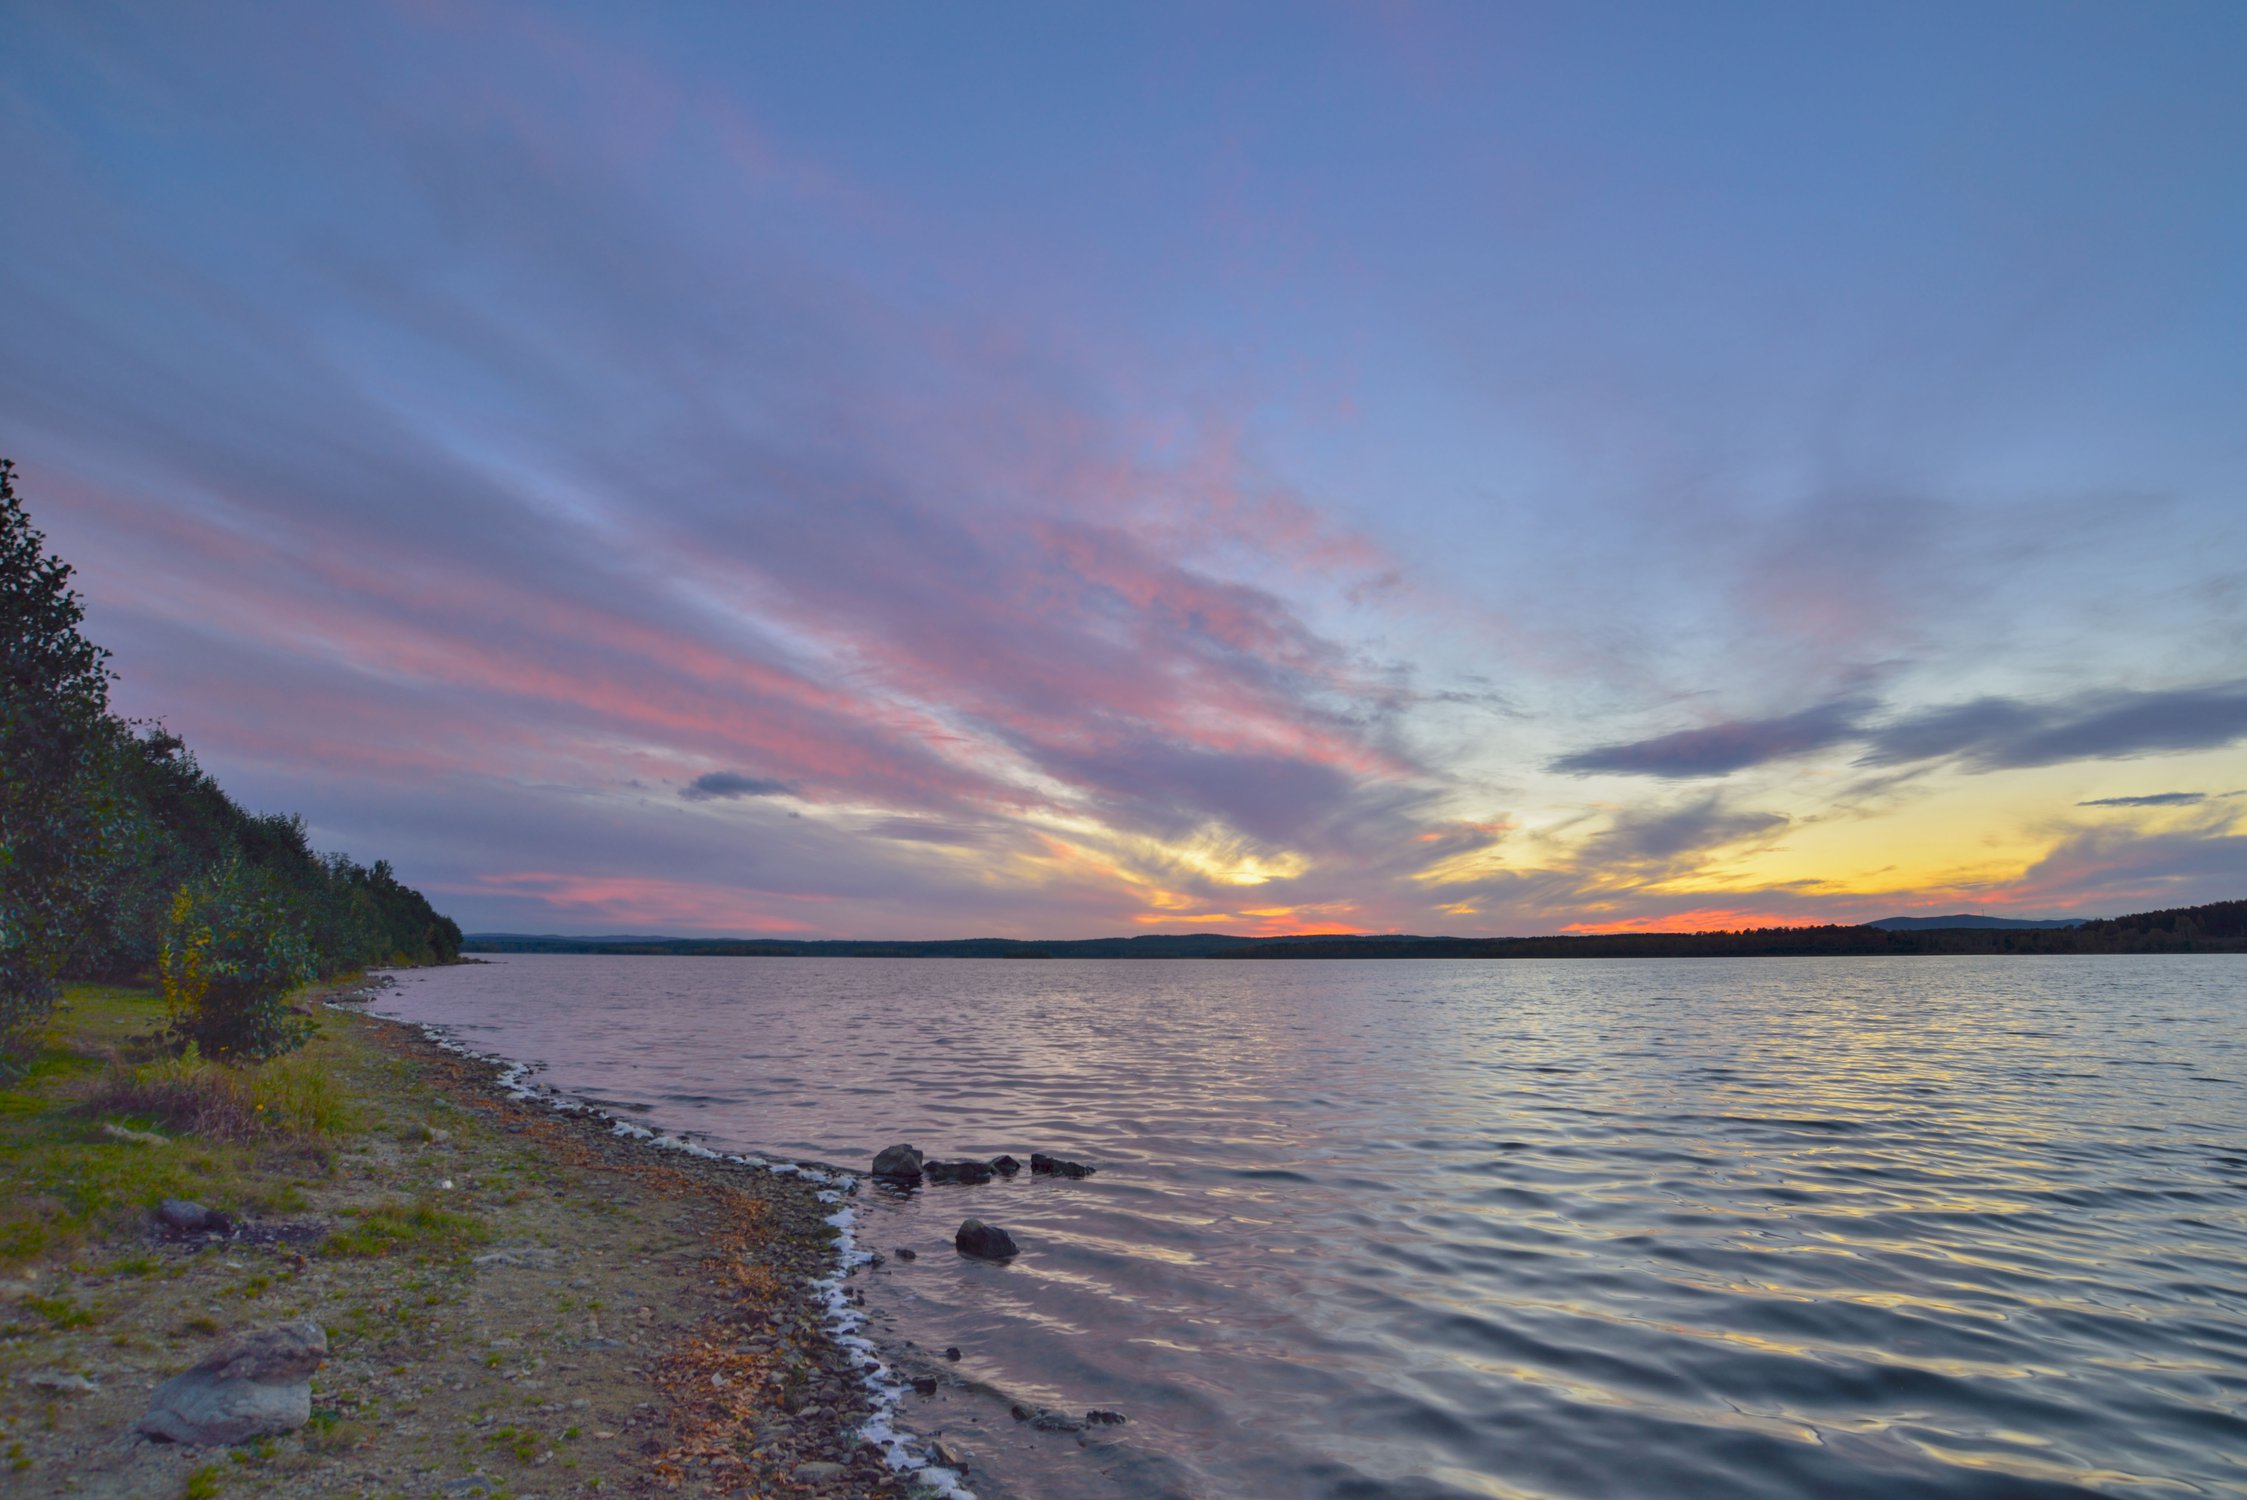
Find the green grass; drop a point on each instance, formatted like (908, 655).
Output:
(419, 1226)
(65, 1183)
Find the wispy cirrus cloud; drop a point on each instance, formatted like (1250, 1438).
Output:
(1991, 734)
(2150, 799)
(1985, 734)
(1720, 749)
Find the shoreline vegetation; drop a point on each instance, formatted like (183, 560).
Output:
(516, 1300)
(2220, 927)
(121, 859)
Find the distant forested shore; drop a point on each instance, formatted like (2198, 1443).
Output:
(121, 859)
(2217, 928)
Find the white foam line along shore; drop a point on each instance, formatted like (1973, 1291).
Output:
(846, 1325)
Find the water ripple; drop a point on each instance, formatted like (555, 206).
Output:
(1955, 1228)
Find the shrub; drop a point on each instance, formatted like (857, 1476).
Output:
(234, 947)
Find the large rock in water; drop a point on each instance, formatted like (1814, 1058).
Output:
(1042, 1165)
(254, 1386)
(985, 1241)
(958, 1171)
(898, 1164)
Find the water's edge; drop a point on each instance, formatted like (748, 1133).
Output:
(845, 1324)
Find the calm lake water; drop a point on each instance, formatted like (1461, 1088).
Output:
(1848, 1227)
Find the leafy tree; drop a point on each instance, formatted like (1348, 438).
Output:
(59, 816)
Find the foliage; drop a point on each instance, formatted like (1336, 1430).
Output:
(57, 808)
(234, 947)
(188, 1094)
(107, 827)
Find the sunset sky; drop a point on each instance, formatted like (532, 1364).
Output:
(1053, 470)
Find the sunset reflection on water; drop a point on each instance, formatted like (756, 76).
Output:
(1961, 1227)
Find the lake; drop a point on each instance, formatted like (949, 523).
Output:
(1597, 1229)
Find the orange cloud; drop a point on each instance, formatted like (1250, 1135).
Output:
(1701, 919)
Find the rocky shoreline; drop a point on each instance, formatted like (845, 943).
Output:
(521, 1297)
(785, 1376)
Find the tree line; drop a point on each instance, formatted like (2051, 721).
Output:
(121, 858)
(2220, 927)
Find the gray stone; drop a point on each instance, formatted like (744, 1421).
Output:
(1100, 1418)
(1005, 1166)
(899, 1164)
(117, 1132)
(817, 1473)
(984, 1241)
(187, 1217)
(60, 1382)
(254, 1386)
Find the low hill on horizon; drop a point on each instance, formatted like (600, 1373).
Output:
(2220, 927)
(1967, 919)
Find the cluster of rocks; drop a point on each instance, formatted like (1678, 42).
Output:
(904, 1166)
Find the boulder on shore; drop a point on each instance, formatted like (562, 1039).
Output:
(1042, 1165)
(187, 1217)
(254, 1386)
(985, 1241)
(957, 1171)
(898, 1164)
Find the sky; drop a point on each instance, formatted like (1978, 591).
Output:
(894, 470)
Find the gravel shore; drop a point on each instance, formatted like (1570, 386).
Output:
(519, 1301)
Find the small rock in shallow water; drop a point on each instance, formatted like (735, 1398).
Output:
(984, 1241)
(1042, 1165)
(903, 1254)
(1005, 1166)
(952, 1353)
(1099, 1418)
(899, 1164)
(925, 1384)
(255, 1386)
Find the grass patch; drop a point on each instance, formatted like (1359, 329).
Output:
(419, 1225)
(79, 1158)
(203, 1483)
(62, 1312)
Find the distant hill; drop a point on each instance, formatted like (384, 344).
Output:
(2217, 928)
(1963, 919)
(1155, 945)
